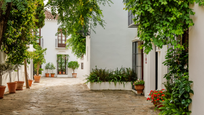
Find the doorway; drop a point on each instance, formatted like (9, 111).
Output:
(156, 70)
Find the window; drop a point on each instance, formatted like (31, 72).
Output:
(38, 33)
(82, 65)
(61, 39)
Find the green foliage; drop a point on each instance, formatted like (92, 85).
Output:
(160, 21)
(163, 22)
(178, 85)
(52, 67)
(73, 64)
(104, 75)
(78, 44)
(38, 57)
(17, 35)
(74, 15)
(4, 67)
(48, 66)
(62, 61)
(139, 82)
(77, 18)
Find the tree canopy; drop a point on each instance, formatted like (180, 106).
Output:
(77, 18)
(21, 20)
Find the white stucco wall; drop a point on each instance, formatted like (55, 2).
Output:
(48, 33)
(112, 47)
(149, 71)
(196, 59)
(162, 69)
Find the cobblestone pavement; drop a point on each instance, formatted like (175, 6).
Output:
(69, 96)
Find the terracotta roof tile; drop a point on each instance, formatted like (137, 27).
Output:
(48, 15)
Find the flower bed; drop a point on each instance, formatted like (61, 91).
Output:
(103, 79)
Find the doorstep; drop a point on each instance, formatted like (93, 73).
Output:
(62, 76)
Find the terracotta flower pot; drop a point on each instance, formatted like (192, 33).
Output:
(139, 88)
(47, 74)
(63, 72)
(37, 79)
(12, 87)
(19, 85)
(59, 72)
(30, 82)
(52, 75)
(74, 75)
(2, 89)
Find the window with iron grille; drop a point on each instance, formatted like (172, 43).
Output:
(61, 38)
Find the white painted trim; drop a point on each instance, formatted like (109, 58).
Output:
(62, 75)
(109, 86)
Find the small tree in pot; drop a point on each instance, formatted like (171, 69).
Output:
(38, 59)
(52, 67)
(73, 65)
(47, 67)
(3, 68)
(12, 85)
(139, 86)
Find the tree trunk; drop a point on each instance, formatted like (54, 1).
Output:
(4, 17)
(26, 77)
(10, 75)
(0, 79)
(38, 67)
(18, 74)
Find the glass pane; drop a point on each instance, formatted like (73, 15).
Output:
(63, 38)
(138, 59)
(59, 41)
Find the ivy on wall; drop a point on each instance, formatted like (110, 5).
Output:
(166, 22)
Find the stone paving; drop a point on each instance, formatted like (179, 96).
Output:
(70, 96)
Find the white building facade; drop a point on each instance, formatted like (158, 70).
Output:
(110, 48)
(55, 44)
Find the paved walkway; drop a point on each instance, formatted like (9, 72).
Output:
(69, 96)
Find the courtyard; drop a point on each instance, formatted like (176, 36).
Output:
(70, 96)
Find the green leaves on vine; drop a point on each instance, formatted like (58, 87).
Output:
(160, 21)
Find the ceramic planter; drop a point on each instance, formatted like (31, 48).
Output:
(30, 82)
(139, 88)
(63, 72)
(37, 79)
(47, 74)
(52, 75)
(12, 87)
(19, 85)
(74, 75)
(2, 89)
(59, 72)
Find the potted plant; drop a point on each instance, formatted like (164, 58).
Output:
(19, 84)
(139, 86)
(63, 71)
(3, 68)
(73, 65)
(52, 67)
(47, 67)
(156, 96)
(38, 59)
(11, 85)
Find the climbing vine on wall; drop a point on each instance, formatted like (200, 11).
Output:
(166, 22)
